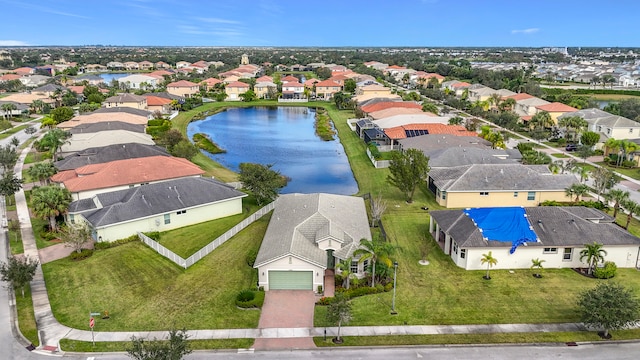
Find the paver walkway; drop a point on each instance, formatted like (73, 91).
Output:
(286, 309)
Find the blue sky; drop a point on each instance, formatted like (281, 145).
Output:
(527, 23)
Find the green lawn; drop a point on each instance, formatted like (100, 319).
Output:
(15, 242)
(26, 317)
(633, 173)
(141, 290)
(84, 346)
(12, 131)
(559, 155)
(38, 225)
(187, 240)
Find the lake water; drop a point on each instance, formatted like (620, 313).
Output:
(284, 137)
(110, 76)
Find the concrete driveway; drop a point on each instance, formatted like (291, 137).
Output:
(286, 309)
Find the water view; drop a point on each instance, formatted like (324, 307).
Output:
(107, 77)
(284, 137)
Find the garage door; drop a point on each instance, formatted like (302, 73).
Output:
(290, 280)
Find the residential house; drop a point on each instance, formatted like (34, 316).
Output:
(455, 86)
(265, 90)
(162, 65)
(306, 236)
(369, 108)
(555, 109)
(293, 90)
(210, 83)
(126, 100)
(84, 140)
(156, 103)
(155, 207)
(183, 88)
(498, 184)
(403, 131)
(372, 90)
(139, 81)
(381, 114)
(90, 79)
(235, 89)
(97, 116)
(289, 79)
(527, 107)
(325, 89)
(182, 64)
(19, 109)
(89, 180)
(145, 65)
(607, 124)
(99, 155)
(90, 68)
(264, 78)
(107, 126)
(115, 65)
(515, 235)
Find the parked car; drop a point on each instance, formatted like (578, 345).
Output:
(571, 147)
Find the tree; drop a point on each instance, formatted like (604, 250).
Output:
(603, 179)
(408, 169)
(456, 120)
(47, 202)
(176, 348)
(375, 251)
(573, 125)
(171, 138)
(61, 114)
(75, 236)
(18, 271)
(8, 157)
(350, 86)
(47, 122)
(536, 265)
(490, 261)
(345, 272)
(589, 138)
(184, 149)
(264, 182)
(14, 225)
(633, 208)
(9, 184)
(593, 253)
(609, 306)
(540, 121)
(618, 197)
(248, 96)
(339, 312)
(42, 171)
(378, 207)
(7, 109)
(430, 107)
(576, 190)
(53, 140)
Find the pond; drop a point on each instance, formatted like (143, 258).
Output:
(107, 77)
(284, 137)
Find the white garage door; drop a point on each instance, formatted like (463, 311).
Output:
(290, 280)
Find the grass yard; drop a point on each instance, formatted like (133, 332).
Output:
(633, 173)
(187, 240)
(84, 346)
(26, 317)
(15, 242)
(613, 97)
(559, 155)
(141, 290)
(38, 225)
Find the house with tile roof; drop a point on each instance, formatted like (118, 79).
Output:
(307, 235)
(394, 134)
(156, 103)
(86, 181)
(96, 117)
(266, 90)
(293, 90)
(381, 114)
(508, 184)
(139, 81)
(527, 107)
(210, 83)
(373, 89)
(126, 100)
(515, 235)
(555, 109)
(160, 206)
(325, 89)
(183, 88)
(81, 141)
(234, 89)
(289, 79)
(104, 154)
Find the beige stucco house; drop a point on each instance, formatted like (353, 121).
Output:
(183, 88)
(126, 100)
(325, 89)
(265, 89)
(234, 89)
(608, 125)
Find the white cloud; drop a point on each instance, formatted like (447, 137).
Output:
(525, 31)
(218, 21)
(13, 43)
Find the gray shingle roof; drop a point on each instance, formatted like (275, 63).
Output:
(105, 126)
(441, 141)
(122, 98)
(127, 110)
(460, 156)
(300, 220)
(49, 88)
(153, 199)
(599, 117)
(502, 177)
(555, 227)
(99, 155)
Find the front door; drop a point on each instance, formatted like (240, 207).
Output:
(331, 261)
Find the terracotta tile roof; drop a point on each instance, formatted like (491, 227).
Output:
(9, 77)
(211, 81)
(398, 132)
(556, 107)
(237, 84)
(157, 101)
(182, 83)
(430, 75)
(104, 117)
(390, 104)
(78, 89)
(328, 83)
(396, 67)
(264, 78)
(289, 78)
(339, 77)
(460, 84)
(292, 84)
(518, 97)
(23, 71)
(311, 82)
(126, 172)
(526, 118)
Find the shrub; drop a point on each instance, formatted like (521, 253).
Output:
(388, 287)
(248, 299)
(48, 235)
(324, 301)
(375, 152)
(339, 280)
(607, 271)
(251, 257)
(155, 235)
(562, 142)
(628, 163)
(320, 289)
(245, 295)
(77, 256)
(109, 244)
(155, 122)
(379, 288)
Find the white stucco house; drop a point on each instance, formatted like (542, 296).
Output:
(517, 235)
(155, 207)
(306, 236)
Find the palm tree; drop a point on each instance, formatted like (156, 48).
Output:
(632, 208)
(618, 197)
(50, 201)
(7, 109)
(576, 190)
(495, 100)
(42, 171)
(376, 251)
(573, 124)
(537, 265)
(345, 272)
(490, 261)
(594, 253)
(54, 139)
(507, 104)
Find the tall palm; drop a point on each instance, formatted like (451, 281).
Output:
(495, 100)
(490, 261)
(618, 197)
(593, 253)
(576, 190)
(573, 124)
(633, 208)
(507, 104)
(8, 108)
(42, 171)
(375, 251)
(47, 202)
(54, 139)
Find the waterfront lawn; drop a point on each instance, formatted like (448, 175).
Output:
(142, 290)
(185, 241)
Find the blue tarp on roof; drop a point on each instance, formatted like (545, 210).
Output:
(507, 224)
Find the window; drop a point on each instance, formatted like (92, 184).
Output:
(354, 267)
(455, 247)
(167, 219)
(444, 195)
(463, 253)
(515, 194)
(181, 212)
(550, 250)
(146, 183)
(531, 195)
(484, 193)
(608, 131)
(71, 219)
(630, 131)
(567, 254)
(365, 265)
(130, 186)
(599, 128)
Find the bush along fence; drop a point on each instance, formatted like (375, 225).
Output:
(198, 255)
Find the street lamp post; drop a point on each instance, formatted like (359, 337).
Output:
(393, 301)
